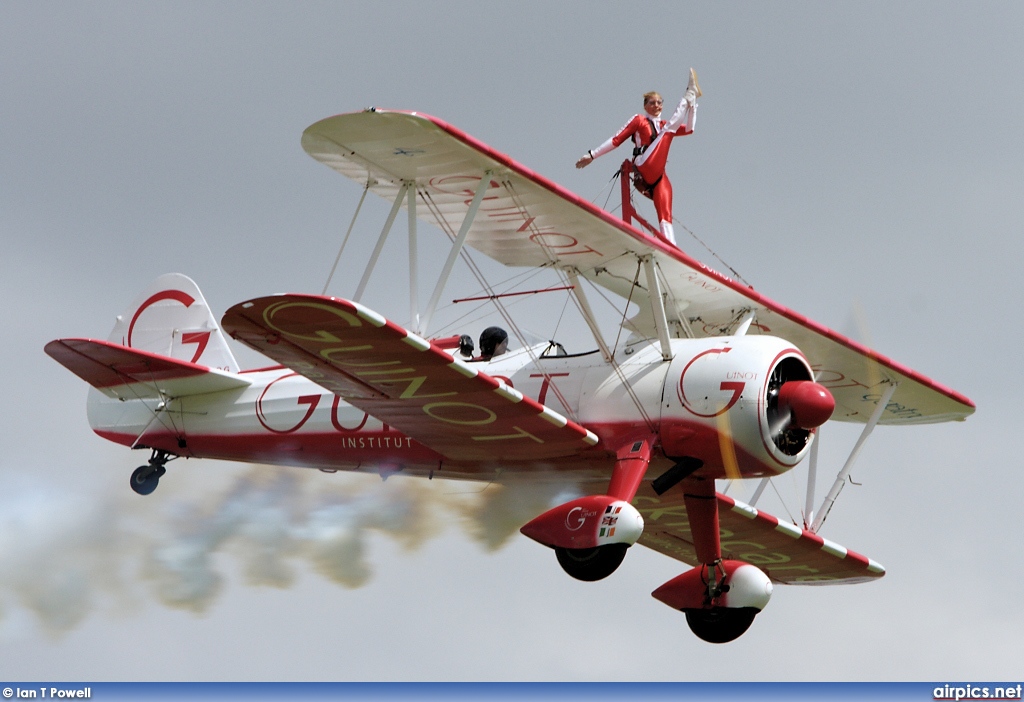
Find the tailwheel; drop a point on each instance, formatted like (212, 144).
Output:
(146, 478)
(590, 564)
(720, 624)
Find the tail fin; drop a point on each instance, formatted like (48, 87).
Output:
(171, 318)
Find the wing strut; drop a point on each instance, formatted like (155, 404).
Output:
(760, 489)
(588, 315)
(457, 245)
(744, 325)
(414, 303)
(812, 477)
(344, 241)
(837, 486)
(380, 243)
(657, 306)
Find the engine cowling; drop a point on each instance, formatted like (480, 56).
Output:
(741, 404)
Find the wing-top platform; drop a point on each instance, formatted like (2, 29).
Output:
(411, 384)
(526, 220)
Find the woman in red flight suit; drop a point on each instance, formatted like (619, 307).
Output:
(652, 137)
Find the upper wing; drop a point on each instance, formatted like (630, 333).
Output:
(784, 551)
(126, 373)
(403, 380)
(526, 220)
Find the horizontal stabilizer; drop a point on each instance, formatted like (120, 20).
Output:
(125, 373)
(412, 385)
(785, 552)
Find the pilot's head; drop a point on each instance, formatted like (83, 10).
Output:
(493, 342)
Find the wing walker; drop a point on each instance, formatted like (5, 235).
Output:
(712, 381)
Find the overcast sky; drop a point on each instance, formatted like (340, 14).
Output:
(860, 163)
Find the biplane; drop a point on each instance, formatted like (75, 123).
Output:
(711, 381)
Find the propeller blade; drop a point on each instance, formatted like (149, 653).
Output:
(725, 445)
(781, 422)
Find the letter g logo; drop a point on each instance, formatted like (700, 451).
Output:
(574, 519)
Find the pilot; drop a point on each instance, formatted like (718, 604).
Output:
(493, 342)
(652, 137)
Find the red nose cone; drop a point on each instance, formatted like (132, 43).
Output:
(809, 403)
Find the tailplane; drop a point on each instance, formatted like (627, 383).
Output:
(166, 346)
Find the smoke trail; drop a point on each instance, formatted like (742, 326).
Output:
(57, 554)
(494, 518)
(62, 556)
(271, 517)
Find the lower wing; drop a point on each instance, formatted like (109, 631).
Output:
(403, 379)
(785, 552)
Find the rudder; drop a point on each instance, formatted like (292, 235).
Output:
(171, 318)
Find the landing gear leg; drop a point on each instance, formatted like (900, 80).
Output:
(716, 586)
(145, 478)
(712, 623)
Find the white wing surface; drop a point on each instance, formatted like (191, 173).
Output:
(526, 220)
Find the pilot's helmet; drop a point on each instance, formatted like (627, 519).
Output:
(493, 342)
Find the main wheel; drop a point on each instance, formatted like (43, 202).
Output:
(590, 564)
(146, 478)
(721, 624)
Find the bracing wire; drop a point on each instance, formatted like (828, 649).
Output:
(610, 187)
(713, 253)
(625, 381)
(498, 303)
(625, 310)
(162, 410)
(782, 502)
(337, 258)
(565, 304)
(700, 241)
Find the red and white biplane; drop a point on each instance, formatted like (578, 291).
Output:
(714, 380)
